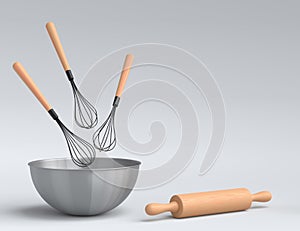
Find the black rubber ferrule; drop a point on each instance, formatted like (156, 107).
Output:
(53, 114)
(70, 75)
(116, 101)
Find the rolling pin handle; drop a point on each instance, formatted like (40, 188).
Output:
(264, 196)
(154, 208)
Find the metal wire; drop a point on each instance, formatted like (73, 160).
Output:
(82, 153)
(84, 112)
(104, 138)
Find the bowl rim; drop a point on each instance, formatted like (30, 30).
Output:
(32, 164)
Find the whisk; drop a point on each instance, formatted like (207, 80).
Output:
(84, 113)
(82, 153)
(104, 138)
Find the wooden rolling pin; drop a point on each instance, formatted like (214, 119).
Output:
(204, 203)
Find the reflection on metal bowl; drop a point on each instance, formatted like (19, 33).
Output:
(84, 191)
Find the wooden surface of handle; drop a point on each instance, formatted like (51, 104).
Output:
(20, 70)
(57, 45)
(155, 208)
(263, 196)
(125, 71)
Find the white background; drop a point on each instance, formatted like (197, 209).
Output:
(251, 48)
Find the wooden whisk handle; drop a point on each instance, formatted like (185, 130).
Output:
(20, 70)
(125, 71)
(57, 45)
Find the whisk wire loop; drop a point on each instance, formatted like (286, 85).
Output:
(84, 112)
(104, 138)
(82, 153)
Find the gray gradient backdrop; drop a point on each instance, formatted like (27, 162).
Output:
(251, 48)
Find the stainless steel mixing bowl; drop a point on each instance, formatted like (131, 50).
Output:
(84, 191)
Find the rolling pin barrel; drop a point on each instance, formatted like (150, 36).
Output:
(204, 203)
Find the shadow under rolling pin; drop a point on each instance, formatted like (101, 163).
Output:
(205, 203)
